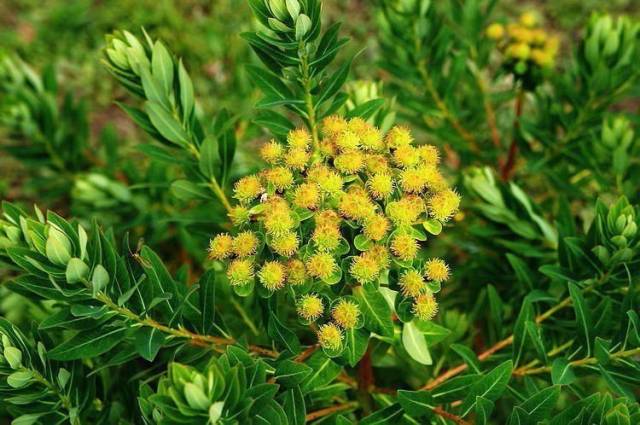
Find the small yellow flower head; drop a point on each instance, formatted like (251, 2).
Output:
(349, 162)
(272, 152)
(371, 139)
(296, 273)
(310, 307)
(326, 237)
(328, 148)
(381, 255)
(220, 247)
(405, 247)
(399, 136)
(436, 269)
(278, 220)
(406, 156)
(321, 265)
(356, 205)
(495, 31)
(520, 34)
(443, 205)
(330, 336)
(297, 159)
(239, 215)
(307, 195)
(404, 212)
(333, 125)
(346, 313)
(240, 272)
(412, 284)
(528, 19)
(272, 275)
(413, 180)
(347, 140)
(299, 139)
(377, 164)
(280, 177)
(247, 188)
(329, 182)
(429, 154)
(380, 185)
(245, 244)
(364, 268)
(376, 227)
(285, 244)
(542, 58)
(328, 218)
(358, 126)
(433, 179)
(518, 51)
(425, 306)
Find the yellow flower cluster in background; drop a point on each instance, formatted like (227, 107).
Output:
(524, 41)
(298, 220)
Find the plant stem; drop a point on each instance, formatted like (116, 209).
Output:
(330, 410)
(215, 187)
(66, 403)
(308, 100)
(582, 362)
(365, 381)
(509, 164)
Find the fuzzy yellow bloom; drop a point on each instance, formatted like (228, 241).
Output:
(296, 273)
(520, 34)
(328, 218)
(443, 205)
(356, 205)
(429, 154)
(349, 162)
(412, 284)
(299, 138)
(330, 336)
(404, 212)
(321, 265)
(406, 156)
(272, 275)
(220, 247)
(433, 179)
(347, 140)
(364, 268)
(310, 307)
(285, 244)
(436, 269)
(381, 255)
(376, 227)
(518, 51)
(328, 148)
(333, 125)
(425, 306)
(405, 247)
(380, 185)
(326, 237)
(413, 180)
(297, 159)
(371, 138)
(377, 164)
(329, 182)
(399, 136)
(240, 272)
(541, 58)
(307, 195)
(495, 31)
(280, 177)
(239, 215)
(245, 244)
(247, 188)
(278, 220)
(345, 314)
(528, 19)
(358, 126)
(272, 152)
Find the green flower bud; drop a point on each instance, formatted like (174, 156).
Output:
(58, 248)
(278, 8)
(620, 241)
(630, 230)
(602, 253)
(13, 356)
(196, 397)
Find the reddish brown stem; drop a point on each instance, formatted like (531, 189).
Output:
(329, 411)
(510, 163)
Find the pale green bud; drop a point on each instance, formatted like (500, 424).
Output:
(13, 356)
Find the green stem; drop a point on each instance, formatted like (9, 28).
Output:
(66, 403)
(583, 362)
(308, 101)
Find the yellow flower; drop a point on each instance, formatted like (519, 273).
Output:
(247, 188)
(285, 244)
(518, 51)
(345, 314)
(406, 156)
(239, 215)
(364, 268)
(307, 195)
(433, 179)
(333, 125)
(413, 180)
(380, 185)
(495, 31)
(399, 136)
(528, 19)
(240, 272)
(329, 182)
(429, 154)
(280, 177)
(381, 255)
(220, 246)
(376, 227)
(436, 269)
(412, 284)
(358, 126)
(425, 306)
(296, 273)
(326, 237)
(310, 307)
(330, 337)
(272, 152)
(405, 247)
(377, 164)
(245, 244)
(272, 275)
(443, 205)
(328, 148)
(541, 58)
(371, 138)
(349, 162)
(278, 219)
(356, 205)
(297, 158)
(347, 140)
(321, 265)
(327, 217)
(299, 139)
(404, 212)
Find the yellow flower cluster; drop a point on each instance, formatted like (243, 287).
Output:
(524, 41)
(297, 218)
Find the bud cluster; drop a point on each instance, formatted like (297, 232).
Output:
(610, 43)
(343, 214)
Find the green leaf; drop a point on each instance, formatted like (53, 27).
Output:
(162, 66)
(416, 345)
(148, 342)
(583, 316)
(484, 407)
(99, 279)
(225, 133)
(209, 161)
(187, 100)
(618, 415)
(294, 406)
(290, 373)
(334, 83)
(520, 331)
(539, 406)
(376, 311)
(468, 356)
(561, 373)
(186, 190)
(416, 403)
(303, 25)
(58, 247)
(432, 226)
(356, 342)
(366, 110)
(362, 243)
(207, 298)
(166, 124)
(77, 270)
(324, 371)
(282, 335)
(433, 332)
(88, 344)
(534, 334)
(385, 416)
(489, 386)
(20, 379)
